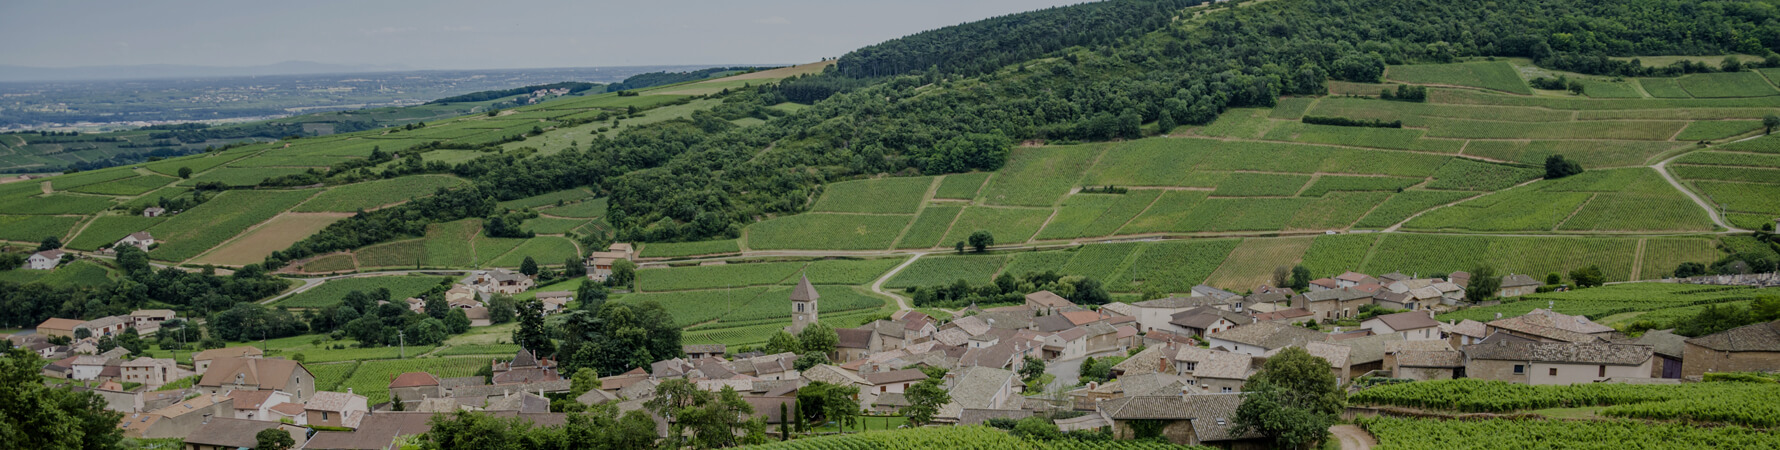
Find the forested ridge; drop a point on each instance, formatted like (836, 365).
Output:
(947, 101)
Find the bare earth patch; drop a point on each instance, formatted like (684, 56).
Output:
(276, 234)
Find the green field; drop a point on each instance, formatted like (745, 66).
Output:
(1007, 225)
(826, 231)
(371, 378)
(544, 250)
(106, 230)
(1730, 84)
(1261, 185)
(330, 293)
(1470, 175)
(879, 196)
(838, 271)
(374, 194)
(934, 270)
(74, 274)
(586, 209)
(681, 249)
(962, 186)
(929, 228)
(1488, 75)
(36, 228)
(550, 225)
(194, 231)
(1405, 204)
(128, 186)
(1039, 176)
(1716, 129)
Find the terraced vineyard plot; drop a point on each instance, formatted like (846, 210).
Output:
(331, 292)
(930, 227)
(1242, 214)
(1496, 75)
(1746, 197)
(1610, 89)
(1389, 138)
(1148, 162)
(881, 196)
(1411, 253)
(1336, 210)
(1764, 144)
(1337, 87)
(1731, 159)
(1127, 207)
(1620, 129)
(56, 204)
(1167, 212)
(202, 227)
(1600, 302)
(329, 376)
(1261, 185)
(1663, 88)
(405, 254)
(1662, 256)
(448, 244)
(761, 274)
(682, 249)
(264, 160)
(1395, 433)
(490, 248)
(1037, 262)
(695, 307)
(1405, 204)
(1723, 173)
(1102, 261)
(826, 231)
(1707, 130)
(1326, 183)
(375, 194)
(1591, 154)
(757, 334)
(74, 274)
(932, 270)
(1008, 225)
(1676, 114)
(1416, 114)
(106, 230)
(36, 228)
(1252, 262)
(154, 198)
(1039, 176)
(963, 186)
(1469, 175)
(330, 263)
(128, 186)
(847, 271)
(277, 234)
(773, 306)
(1177, 266)
(1330, 255)
(242, 176)
(1291, 108)
(1520, 210)
(198, 163)
(1727, 84)
(1240, 123)
(1468, 97)
(550, 199)
(550, 225)
(73, 180)
(545, 250)
(586, 209)
(1077, 212)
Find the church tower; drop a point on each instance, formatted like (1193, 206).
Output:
(803, 306)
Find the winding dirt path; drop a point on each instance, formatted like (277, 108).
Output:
(1353, 438)
(902, 304)
(1662, 169)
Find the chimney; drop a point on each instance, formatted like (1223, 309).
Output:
(206, 417)
(1498, 315)
(348, 391)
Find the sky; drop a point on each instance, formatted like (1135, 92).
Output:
(463, 34)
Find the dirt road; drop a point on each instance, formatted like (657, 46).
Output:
(1353, 438)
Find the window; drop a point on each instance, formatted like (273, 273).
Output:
(1552, 371)
(1226, 390)
(1603, 371)
(1520, 369)
(883, 389)
(799, 307)
(1189, 366)
(324, 415)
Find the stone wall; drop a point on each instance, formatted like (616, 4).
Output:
(1696, 361)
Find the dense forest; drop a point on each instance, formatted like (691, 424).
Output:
(572, 86)
(653, 79)
(26, 305)
(948, 100)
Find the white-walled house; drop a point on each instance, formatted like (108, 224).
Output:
(44, 260)
(1413, 325)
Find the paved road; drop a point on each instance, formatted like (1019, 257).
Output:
(1068, 371)
(902, 304)
(1353, 438)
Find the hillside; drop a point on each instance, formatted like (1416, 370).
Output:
(1241, 168)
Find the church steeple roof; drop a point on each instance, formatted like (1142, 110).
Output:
(804, 291)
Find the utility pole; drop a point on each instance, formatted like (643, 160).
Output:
(402, 345)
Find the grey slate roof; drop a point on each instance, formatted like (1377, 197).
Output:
(1270, 335)
(1408, 320)
(1561, 352)
(1663, 342)
(1519, 280)
(1761, 337)
(804, 291)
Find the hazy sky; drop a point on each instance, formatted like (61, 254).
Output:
(459, 34)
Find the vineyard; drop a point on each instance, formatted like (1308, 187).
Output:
(1748, 404)
(1430, 434)
(957, 437)
(1605, 301)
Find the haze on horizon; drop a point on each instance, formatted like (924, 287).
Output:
(459, 34)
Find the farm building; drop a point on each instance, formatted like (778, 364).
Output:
(153, 211)
(1540, 363)
(201, 361)
(1515, 285)
(44, 260)
(501, 281)
(1743, 349)
(599, 264)
(1413, 325)
(140, 239)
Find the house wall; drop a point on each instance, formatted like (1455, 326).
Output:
(39, 263)
(183, 425)
(1157, 319)
(1517, 291)
(1697, 360)
(1216, 385)
(1585, 373)
(126, 402)
(1484, 369)
(1102, 343)
(1236, 347)
(417, 393)
(1423, 373)
(1177, 431)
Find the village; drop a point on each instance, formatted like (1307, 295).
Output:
(1181, 361)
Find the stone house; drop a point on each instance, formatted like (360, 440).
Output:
(179, 419)
(153, 211)
(978, 388)
(1413, 325)
(1743, 349)
(501, 281)
(1212, 371)
(235, 374)
(412, 387)
(1046, 302)
(1518, 284)
(151, 372)
(895, 381)
(1066, 344)
(1423, 360)
(1257, 338)
(1205, 320)
(59, 327)
(1670, 349)
(336, 409)
(555, 301)
(1540, 363)
(1331, 304)
(1549, 326)
(150, 318)
(1464, 332)
(231, 434)
(1198, 419)
(202, 360)
(599, 264)
(257, 405)
(1155, 314)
